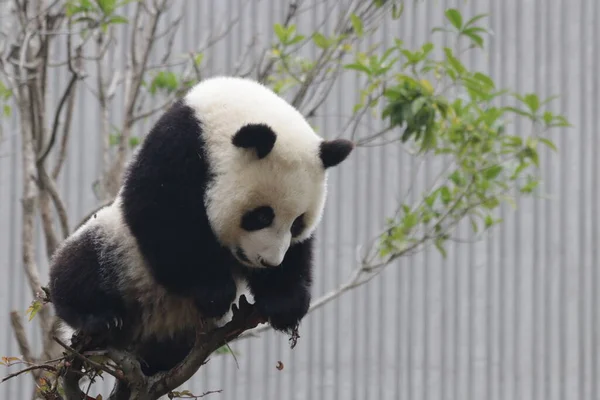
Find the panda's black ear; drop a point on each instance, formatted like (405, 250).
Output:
(333, 152)
(255, 136)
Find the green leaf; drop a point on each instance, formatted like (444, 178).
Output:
(397, 10)
(562, 122)
(475, 19)
(118, 19)
(491, 203)
(320, 40)
(164, 80)
(134, 141)
(33, 309)
(471, 33)
(439, 244)
(410, 220)
(5, 92)
(445, 195)
(113, 139)
(473, 224)
(456, 178)
(296, 39)
(532, 101)
(520, 112)
(107, 6)
(430, 200)
(280, 31)
(358, 67)
(548, 143)
(455, 17)
(492, 172)
(7, 110)
(223, 350)
(357, 24)
(456, 64)
(418, 104)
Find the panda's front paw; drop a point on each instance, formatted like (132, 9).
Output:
(214, 300)
(284, 310)
(101, 329)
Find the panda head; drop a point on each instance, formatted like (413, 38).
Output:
(268, 166)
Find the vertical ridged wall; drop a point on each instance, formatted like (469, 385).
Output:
(513, 317)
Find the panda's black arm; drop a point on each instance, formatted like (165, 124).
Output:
(282, 294)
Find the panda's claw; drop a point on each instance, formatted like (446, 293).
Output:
(118, 322)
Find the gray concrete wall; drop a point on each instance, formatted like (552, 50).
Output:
(513, 317)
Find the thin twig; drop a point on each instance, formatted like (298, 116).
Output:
(85, 359)
(29, 369)
(63, 100)
(21, 336)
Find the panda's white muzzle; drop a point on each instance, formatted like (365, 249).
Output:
(265, 248)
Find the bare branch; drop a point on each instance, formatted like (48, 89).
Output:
(132, 91)
(171, 31)
(47, 184)
(62, 153)
(28, 203)
(149, 113)
(29, 369)
(187, 396)
(69, 91)
(48, 223)
(291, 14)
(20, 335)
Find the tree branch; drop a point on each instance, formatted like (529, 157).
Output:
(20, 335)
(63, 100)
(133, 82)
(244, 317)
(35, 368)
(48, 222)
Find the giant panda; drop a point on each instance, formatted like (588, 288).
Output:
(223, 196)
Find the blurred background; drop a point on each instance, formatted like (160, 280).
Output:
(504, 313)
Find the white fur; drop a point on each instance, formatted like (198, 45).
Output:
(290, 179)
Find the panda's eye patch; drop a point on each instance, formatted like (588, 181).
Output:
(297, 226)
(257, 219)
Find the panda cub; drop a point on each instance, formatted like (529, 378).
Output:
(223, 195)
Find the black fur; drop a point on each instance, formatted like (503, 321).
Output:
(282, 294)
(333, 152)
(255, 136)
(83, 290)
(162, 355)
(257, 219)
(163, 205)
(298, 226)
